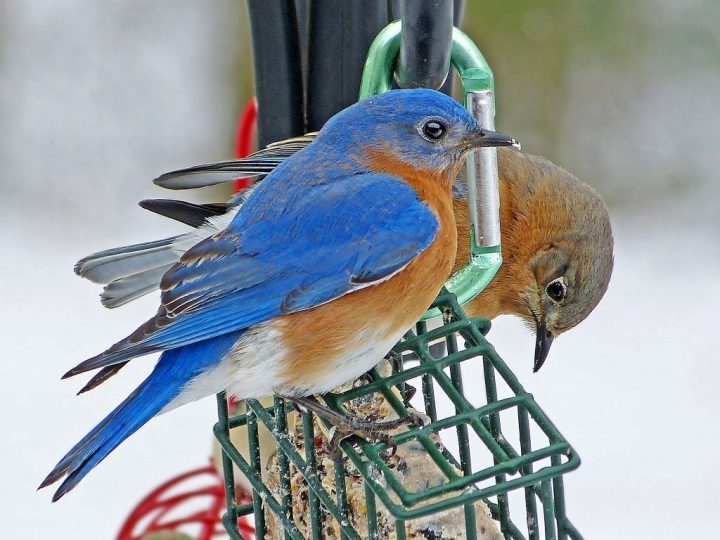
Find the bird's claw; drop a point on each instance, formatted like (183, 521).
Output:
(415, 419)
(337, 435)
(344, 426)
(409, 393)
(395, 358)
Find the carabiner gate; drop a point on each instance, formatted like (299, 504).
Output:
(482, 172)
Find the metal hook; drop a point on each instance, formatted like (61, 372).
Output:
(482, 174)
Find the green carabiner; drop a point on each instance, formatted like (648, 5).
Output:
(483, 198)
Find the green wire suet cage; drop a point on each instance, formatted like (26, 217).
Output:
(528, 454)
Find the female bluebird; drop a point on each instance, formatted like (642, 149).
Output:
(556, 239)
(353, 235)
(557, 248)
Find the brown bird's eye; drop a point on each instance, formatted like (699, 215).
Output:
(556, 289)
(433, 130)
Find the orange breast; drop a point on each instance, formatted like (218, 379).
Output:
(315, 338)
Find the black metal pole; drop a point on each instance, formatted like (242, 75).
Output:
(278, 72)
(425, 52)
(426, 42)
(309, 54)
(340, 33)
(302, 13)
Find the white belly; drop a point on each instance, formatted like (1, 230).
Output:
(253, 368)
(368, 347)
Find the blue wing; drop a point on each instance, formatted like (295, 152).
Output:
(284, 252)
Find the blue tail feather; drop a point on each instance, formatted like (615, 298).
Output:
(174, 370)
(128, 417)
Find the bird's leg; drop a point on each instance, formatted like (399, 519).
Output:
(338, 435)
(345, 426)
(336, 418)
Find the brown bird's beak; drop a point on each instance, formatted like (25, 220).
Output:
(542, 345)
(483, 138)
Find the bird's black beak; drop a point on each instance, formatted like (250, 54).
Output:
(482, 138)
(542, 345)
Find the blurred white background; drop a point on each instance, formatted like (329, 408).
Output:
(97, 99)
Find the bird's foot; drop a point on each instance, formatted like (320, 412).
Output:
(346, 426)
(339, 433)
(409, 393)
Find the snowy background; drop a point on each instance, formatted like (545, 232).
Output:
(97, 99)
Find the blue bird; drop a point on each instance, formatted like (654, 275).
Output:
(348, 240)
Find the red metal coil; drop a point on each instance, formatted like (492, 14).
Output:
(244, 139)
(162, 509)
(169, 507)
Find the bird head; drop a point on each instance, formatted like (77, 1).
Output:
(557, 248)
(569, 277)
(418, 130)
(563, 248)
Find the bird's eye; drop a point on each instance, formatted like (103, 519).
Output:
(433, 130)
(556, 289)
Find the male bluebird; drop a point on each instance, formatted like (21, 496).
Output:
(556, 240)
(353, 237)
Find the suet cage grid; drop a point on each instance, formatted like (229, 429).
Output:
(510, 454)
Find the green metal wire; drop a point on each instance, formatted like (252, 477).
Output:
(309, 438)
(534, 468)
(254, 453)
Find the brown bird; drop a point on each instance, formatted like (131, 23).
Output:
(557, 243)
(557, 248)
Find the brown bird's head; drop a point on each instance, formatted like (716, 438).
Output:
(557, 249)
